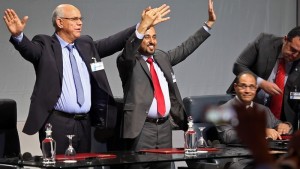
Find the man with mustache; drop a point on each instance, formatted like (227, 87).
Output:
(152, 102)
(275, 62)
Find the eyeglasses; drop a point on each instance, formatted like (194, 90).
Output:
(74, 19)
(244, 86)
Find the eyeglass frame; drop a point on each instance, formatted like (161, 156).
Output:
(74, 19)
(244, 86)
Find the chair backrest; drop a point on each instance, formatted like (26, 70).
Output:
(9, 138)
(196, 107)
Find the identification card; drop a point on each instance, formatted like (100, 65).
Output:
(97, 66)
(295, 95)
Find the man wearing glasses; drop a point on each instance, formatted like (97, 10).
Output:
(71, 82)
(245, 88)
(275, 62)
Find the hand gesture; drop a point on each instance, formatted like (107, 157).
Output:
(211, 14)
(162, 11)
(14, 25)
(151, 17)
(270, 88)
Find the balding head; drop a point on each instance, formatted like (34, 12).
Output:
(59, 12)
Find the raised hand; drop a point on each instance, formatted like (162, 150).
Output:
(211, 14)
(14, 25)
(151, 17)
(162, 11)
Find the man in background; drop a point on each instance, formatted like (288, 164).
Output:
(275, 62)
(245, 88)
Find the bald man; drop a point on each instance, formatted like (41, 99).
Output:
(71, 82)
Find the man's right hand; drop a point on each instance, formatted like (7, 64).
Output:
(14, 25)
(151, 17)
(273, 134)
(270, 88)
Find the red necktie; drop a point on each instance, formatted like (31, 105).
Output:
(276, 100)
(158, 94)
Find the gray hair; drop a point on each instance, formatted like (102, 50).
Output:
(57, 13)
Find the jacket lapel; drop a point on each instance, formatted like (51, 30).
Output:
(144, 65)
(56, 48)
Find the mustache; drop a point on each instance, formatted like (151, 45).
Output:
(150, 44)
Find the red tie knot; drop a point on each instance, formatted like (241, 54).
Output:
(282, 61)
(150, 60)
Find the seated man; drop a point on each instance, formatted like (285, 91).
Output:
(245, 88)
(257, 144)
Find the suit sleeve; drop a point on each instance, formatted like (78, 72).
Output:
(272, 121)
(126, 60)
(227, 134)
(181, 52)
(248, 57)
(30, 50)
(113, 43)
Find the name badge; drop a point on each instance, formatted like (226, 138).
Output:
(96, 65)
(173, 77)
(295, 95)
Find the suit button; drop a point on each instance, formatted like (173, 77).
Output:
(296, 69)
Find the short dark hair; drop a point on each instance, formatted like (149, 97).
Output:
(247, 72)
(293, 33)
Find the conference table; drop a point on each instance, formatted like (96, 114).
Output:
(128, 158)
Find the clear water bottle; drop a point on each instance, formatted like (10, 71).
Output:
(190, 138)
(48, 146)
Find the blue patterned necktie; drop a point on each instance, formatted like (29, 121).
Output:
(76, 76)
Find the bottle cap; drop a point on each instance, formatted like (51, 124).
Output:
(190, 121)
(48, 128)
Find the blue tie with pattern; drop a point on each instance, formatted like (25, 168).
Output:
(76, 76)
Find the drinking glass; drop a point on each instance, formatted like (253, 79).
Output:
(70, 152)
(201, 142)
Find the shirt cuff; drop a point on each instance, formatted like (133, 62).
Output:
(206, 28)
(138, 35)
(18, 38)
(259, 80)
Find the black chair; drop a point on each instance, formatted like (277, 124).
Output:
(109, 139)
(9, 138)
(196, 106)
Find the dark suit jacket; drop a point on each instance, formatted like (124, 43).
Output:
(228, 134)
(260, 57)
(45, 53)
(137, 83)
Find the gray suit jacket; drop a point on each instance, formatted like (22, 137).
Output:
(137, 83)
(228, 134)
(260, 57)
